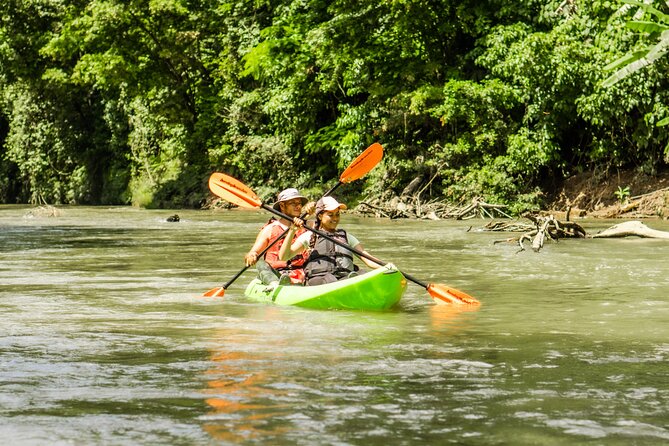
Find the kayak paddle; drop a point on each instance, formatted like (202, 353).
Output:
(358, 168)
(229, 189)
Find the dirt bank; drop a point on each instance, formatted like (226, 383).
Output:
(625, 194)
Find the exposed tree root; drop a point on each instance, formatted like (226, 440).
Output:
(542, 227)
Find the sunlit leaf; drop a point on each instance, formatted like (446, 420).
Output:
(636, 63)
(649, 9)
(627, 59)
(646, 27)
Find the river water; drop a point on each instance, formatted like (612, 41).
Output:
(106, 340)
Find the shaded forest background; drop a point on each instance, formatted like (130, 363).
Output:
(118, 102)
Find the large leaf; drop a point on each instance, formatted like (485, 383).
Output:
(647, 27)
(636, 63)
(627, 59)
(649, 9)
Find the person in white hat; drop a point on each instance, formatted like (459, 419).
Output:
(327, 262)
(271, 269)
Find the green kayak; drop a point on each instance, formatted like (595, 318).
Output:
(379, 289)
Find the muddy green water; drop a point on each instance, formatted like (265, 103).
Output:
(105, 340)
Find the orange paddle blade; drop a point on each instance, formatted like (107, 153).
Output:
(363, 163)
(233, 190)
(443, 294)
(215, 292)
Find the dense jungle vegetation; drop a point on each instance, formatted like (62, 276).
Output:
(138, 101)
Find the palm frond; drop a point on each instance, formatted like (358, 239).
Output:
(646, 27)
(647, 7)
(635, 63)
(627, 59)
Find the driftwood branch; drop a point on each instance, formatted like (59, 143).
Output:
(544, 227)
(375, 209)
(631, 228)
(505, 226)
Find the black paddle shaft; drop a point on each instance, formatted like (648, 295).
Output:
(343, 245)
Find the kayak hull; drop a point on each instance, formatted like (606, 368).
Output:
(379, 289)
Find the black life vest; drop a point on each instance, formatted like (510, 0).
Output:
(327, 257)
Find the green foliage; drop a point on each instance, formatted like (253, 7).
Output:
(646, 56)
(645, 97)
(113, 101)
(622, 194)
(157, 148)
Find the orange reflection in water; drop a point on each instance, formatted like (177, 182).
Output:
(241, 404)
(453, 317)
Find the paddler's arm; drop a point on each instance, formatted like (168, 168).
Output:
(262, 240)
(289, 249)
(366, 261)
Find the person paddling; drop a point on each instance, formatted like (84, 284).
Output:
(326, 262)
(272, 269)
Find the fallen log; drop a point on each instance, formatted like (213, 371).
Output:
(631, 228)
(629, 207)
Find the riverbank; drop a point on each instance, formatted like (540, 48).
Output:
(627, 194)
(619, 193)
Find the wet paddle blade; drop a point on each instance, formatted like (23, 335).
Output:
(365, 162)
(233, 190)
(443, 294)
(215, 292)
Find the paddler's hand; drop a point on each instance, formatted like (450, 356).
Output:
(251, 258)
(297, 223)
(309, 209)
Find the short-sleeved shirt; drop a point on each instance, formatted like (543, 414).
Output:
(305, 239)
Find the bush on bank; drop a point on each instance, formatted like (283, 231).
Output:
(110, 102)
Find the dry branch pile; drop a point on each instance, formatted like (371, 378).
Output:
(414, 207)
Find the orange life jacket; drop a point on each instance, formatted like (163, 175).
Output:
(272, 256)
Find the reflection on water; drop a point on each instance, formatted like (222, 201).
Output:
(451, 318)
(233, 382)
(106, 340)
